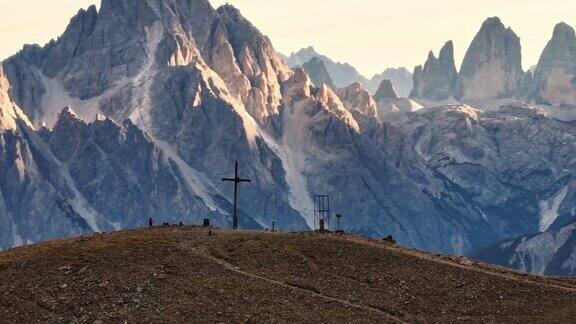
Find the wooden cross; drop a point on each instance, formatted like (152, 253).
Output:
(236, 181)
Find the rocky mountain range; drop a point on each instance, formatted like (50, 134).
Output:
(141, 107)
(344, 74)
(80, 178)
(491, 74)
(549, 253)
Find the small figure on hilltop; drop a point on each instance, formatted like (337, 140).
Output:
(150, 222)
(390, 240)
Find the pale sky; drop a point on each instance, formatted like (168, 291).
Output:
(369, 34)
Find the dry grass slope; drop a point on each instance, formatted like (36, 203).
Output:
(185, 275)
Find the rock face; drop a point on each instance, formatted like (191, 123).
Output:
(356, 98)
(479, 150)
(554, 80)
(343, 74)
(386, 91)
(437, 79)
(492, 67)
(126, 177)
(10, 113)
(318, 73)
(551, 253)
(81, 178)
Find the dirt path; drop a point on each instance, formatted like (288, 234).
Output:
(202, 252)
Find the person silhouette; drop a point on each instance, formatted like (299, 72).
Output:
(150, 222)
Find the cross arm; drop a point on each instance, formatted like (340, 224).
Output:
(236, 180)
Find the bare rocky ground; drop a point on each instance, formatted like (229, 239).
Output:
(183, 274)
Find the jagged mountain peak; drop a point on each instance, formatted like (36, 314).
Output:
(437, 78)
(553, 81)
(82, 13)
(243, 27)
(495, 25)
(356, 98)
(495, 54)
(148, 36)
(400, 69)
(308, 51)
(232, 12)
(68, 117)
(563, 30)
(386, 91)
(68, 111)
(490, 21)
(318, 73)
(447, 52)
(402, 79)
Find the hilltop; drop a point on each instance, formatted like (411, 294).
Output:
(184, 274)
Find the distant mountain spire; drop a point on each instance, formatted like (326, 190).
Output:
(437, 79)
(492, 67)
(386, 91)
(553, 81)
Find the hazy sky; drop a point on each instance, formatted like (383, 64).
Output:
(369, 34)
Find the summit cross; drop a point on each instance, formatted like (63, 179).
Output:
(237, 180)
